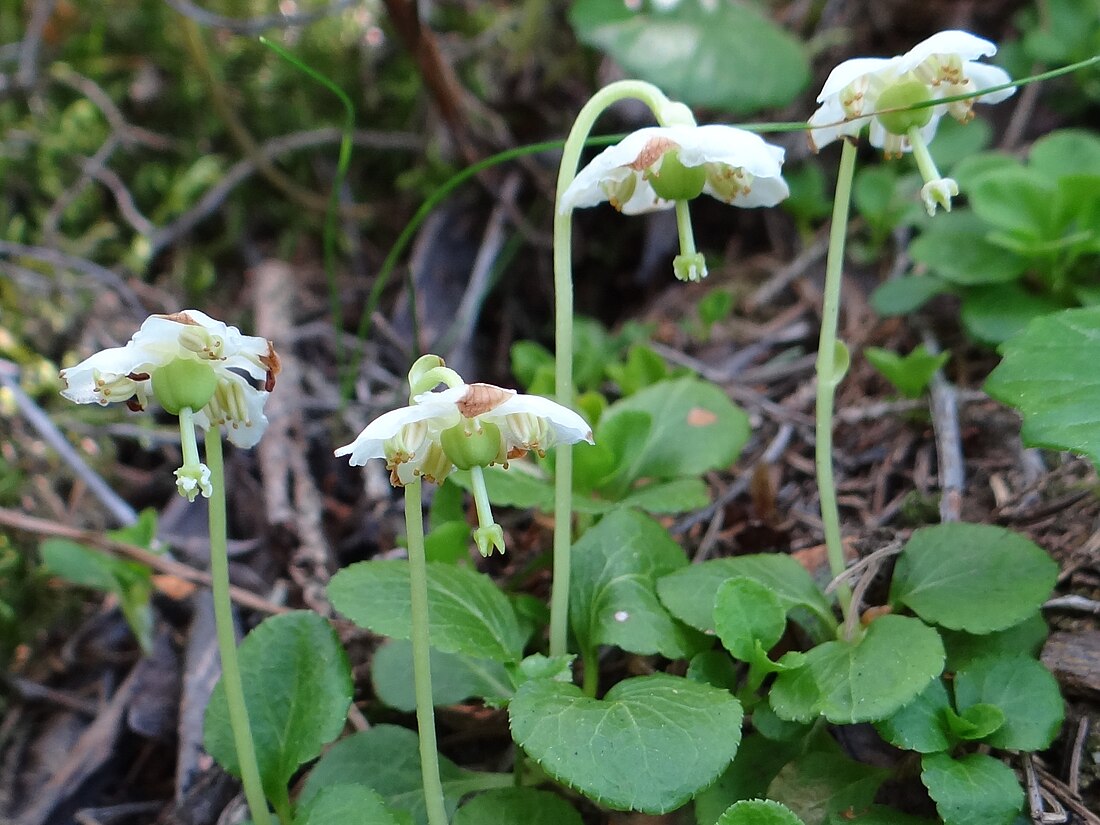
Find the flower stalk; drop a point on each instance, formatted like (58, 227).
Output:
(227, 641)
(831, 366)
(421, 650)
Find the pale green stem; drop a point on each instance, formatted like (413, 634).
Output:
(683, 224)
(922, 156)
(563, 336)
(827, 373)
(421, 649)
(227, 640)
(481, 498)
(188, 445)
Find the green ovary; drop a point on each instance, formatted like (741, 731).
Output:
(676, 182)
(478, 446)
(904, 93)
(184, 383)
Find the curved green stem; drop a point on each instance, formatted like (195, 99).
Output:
(828, 374)
(563, 335)
(422, 673)
(227, 641)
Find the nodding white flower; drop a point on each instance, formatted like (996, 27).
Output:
(468, 425)
(653, 167)
(944, 65)
(186, 359)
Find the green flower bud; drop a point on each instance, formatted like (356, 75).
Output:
(184, 383)
(904, 93)
(473, 447)
(674, 181)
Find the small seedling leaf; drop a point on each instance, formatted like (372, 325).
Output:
(758, 812)
(649, 745)
(747, 613)
(919, 725)
(909, 373)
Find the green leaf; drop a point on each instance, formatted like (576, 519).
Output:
(297, 686)
(909, 373)
(754, 767)
(747, 613)
(957, 141)
(823, 782)
(689, 593)
(959, 254)
(758, 812)
(1025, 638)
(976, 723)
(642, 368)
(996, 314)
(919, 725)
(454, 677)
(904, 295)
(772, 727)
(1066, 152)
(130, 581)
(448, 542)
(726, 56)
(517, 806)
(863, 680)
(973, 577)
(1025, 692)
(347, 804)
(1014, 200)
(714, 668)
(680, 495)
(387, 759)
(973, 790)
(695, 428)
(649, 745)
(612, 596)
(1049, 374)
(467, 612)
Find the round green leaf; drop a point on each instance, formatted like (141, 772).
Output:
(297, 686)
(613, 595)
(1049, 375)
(517, 806)
(1025, 639)
(454, 677)
(977, 723)
(758, 812)
(387, 759)
(973, 577)
(962, 256)
(919, 725)
(689, 593)
(346, 805)
(973, 790)
(1066, 152)
(1026, 693)
(467, 612)
(995, 314)
(721, 55)
(649, 745)
(695, 428)
(746, 612)
(901, 296)
(863, 680)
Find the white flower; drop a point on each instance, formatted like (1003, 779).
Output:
(740, 168)
(411, 439)
(946, 64)
(187, 339)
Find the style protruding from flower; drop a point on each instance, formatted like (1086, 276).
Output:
(652, 168)
(198, 368)
(664, 167)
(945, 65)
(465, 426)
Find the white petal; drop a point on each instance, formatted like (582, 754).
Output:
(612, 165)
(111, 365)
(832, 114)
(851, 70)
(966, 45)
(985, 76)
(762, 192)
(159, 339)
(370, 442)
(715, 143)
(568, 426)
